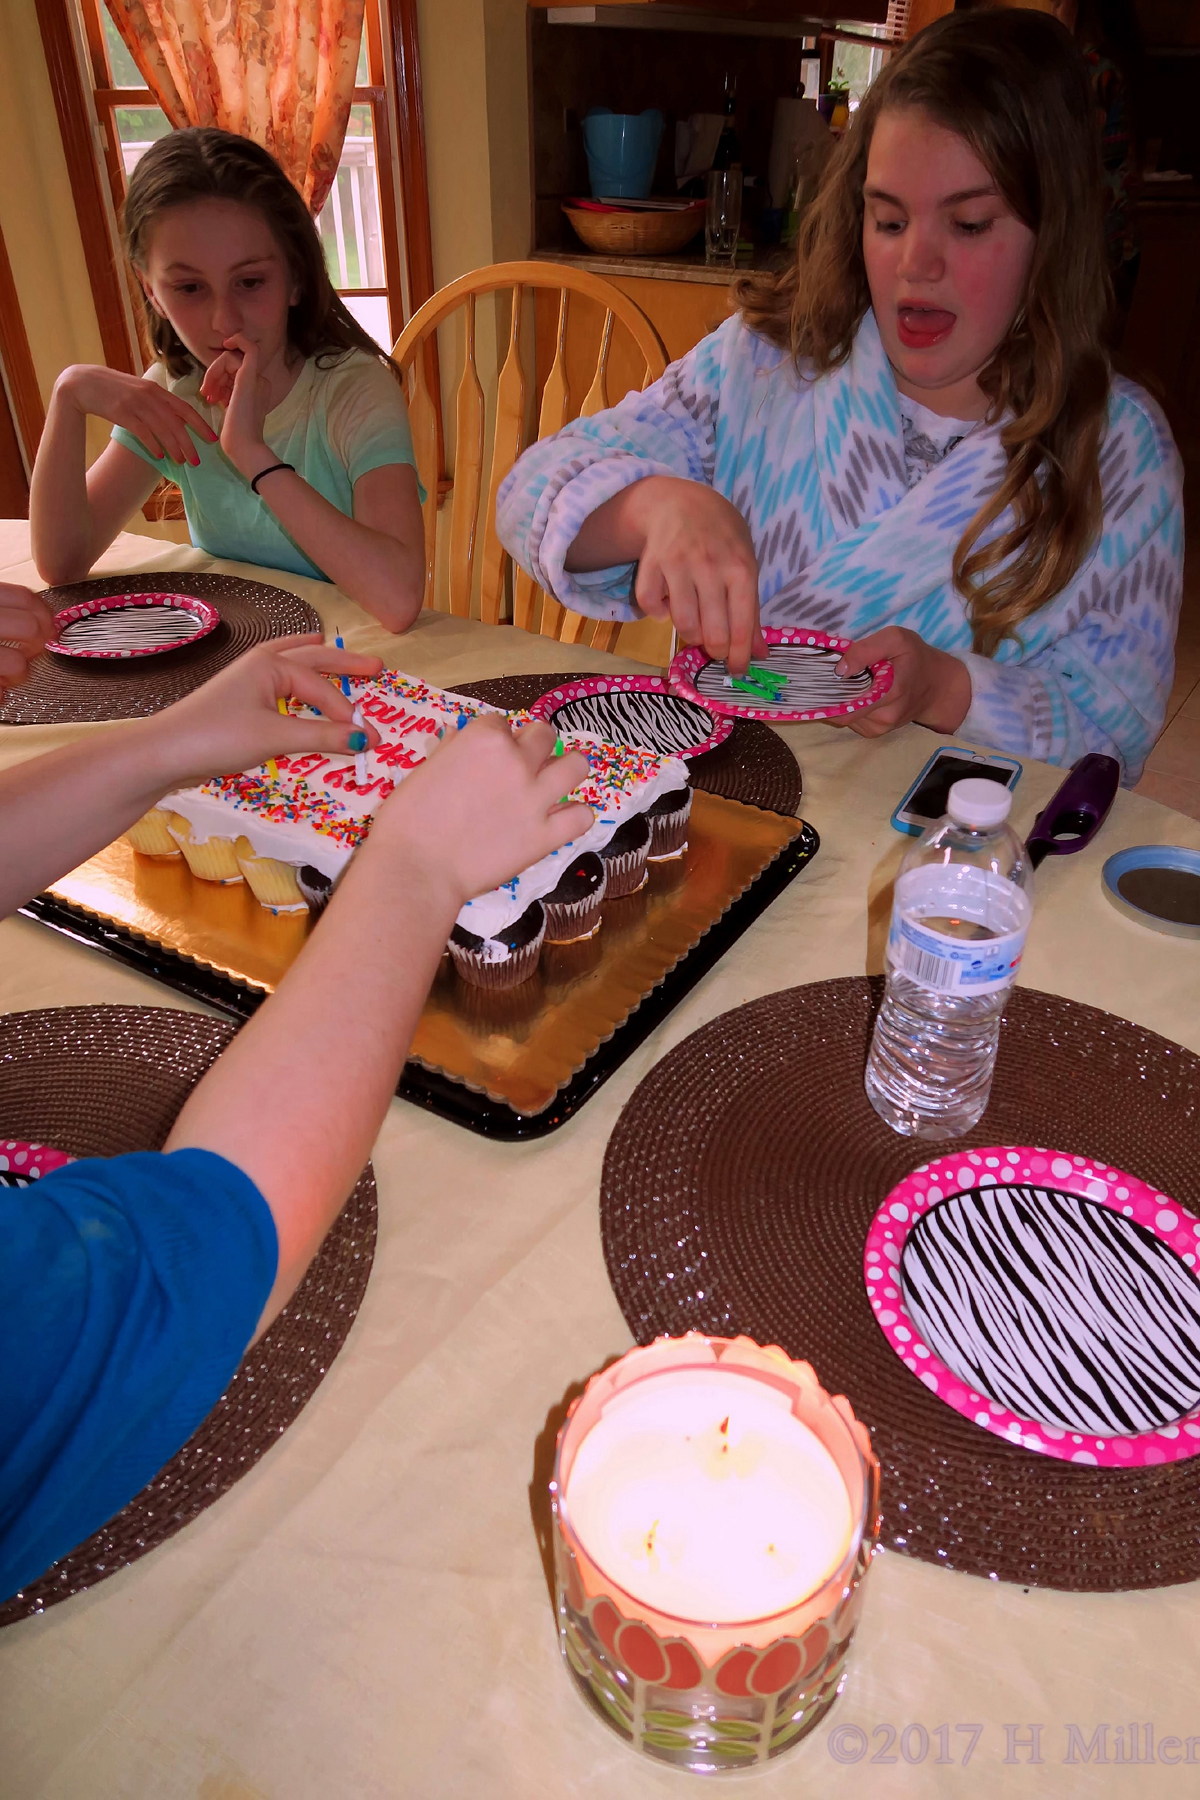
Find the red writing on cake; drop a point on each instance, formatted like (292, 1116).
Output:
(302, 765)
(377, 708)
(398, 756)
(344, 779)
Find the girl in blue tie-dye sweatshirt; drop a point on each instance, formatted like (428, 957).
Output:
(912, 436)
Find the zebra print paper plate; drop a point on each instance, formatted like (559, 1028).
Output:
(22, 1164)
(634, 709)
(122, 625)
(803, 660)
(1050, 1299)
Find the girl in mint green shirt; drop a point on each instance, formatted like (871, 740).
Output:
(281, 421)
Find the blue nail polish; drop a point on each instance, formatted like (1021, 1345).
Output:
(358, 741)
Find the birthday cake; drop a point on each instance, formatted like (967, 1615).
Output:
(289, 829)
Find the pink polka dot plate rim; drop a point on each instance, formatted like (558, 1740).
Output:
(629, 704)
(21, 1163)
(1001, 1177)
(116, 627)
(693, 675)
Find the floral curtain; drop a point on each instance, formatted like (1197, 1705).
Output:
(278, 71)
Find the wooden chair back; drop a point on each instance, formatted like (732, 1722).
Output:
(465, 538)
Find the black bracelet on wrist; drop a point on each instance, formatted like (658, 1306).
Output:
(270, 471)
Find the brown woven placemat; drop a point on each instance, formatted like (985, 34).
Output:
(67, 690)
(753, 765)
(737, 1191)
(104, 1080)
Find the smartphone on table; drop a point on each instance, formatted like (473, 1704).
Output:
(927, 798)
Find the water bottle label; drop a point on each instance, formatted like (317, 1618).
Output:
(991, 912)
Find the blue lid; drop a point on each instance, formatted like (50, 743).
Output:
(1157, 885)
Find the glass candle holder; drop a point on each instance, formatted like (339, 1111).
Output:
(715, 1512)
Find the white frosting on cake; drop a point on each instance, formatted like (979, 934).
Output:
(314, 811)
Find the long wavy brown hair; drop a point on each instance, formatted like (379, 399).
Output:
(202, 163)
(1013, 85)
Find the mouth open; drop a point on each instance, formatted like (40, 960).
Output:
(921, 327)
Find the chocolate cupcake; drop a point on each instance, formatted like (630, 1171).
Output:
(625, 856)
(503, 961)
(668, 819)
(511, 1011)
(563, 965)
(573, 909)
(625, 919)
(315, 887)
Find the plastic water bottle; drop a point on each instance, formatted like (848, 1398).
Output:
(959, 920)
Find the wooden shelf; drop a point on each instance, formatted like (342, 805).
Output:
(780, 12)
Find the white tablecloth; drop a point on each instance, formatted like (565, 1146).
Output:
(366, 1615)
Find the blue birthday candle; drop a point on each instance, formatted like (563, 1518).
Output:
(345, 682)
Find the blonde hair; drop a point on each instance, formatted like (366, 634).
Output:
(1014, 87)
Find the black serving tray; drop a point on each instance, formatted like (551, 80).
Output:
(427, 1087)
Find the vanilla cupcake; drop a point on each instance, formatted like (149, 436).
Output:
(573, 909)
(503, 961)
(624, 857)
(272, 883)
(211, 859)
(668, 821)
(150, 836)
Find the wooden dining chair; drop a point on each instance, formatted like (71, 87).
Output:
(470, 533)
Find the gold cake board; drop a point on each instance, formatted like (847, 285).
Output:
(520, 1047)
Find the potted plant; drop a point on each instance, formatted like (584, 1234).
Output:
(834, 104)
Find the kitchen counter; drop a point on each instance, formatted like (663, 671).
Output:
(684, 266)
(1161, 196)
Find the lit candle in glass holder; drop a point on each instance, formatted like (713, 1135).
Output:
(715, 1512)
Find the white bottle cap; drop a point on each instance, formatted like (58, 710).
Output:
(979, 804)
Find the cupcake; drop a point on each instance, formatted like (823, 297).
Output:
(668, 820)
(573, 909)
(315, 887)
(625, 857)
(565, 964)
(150, 837)
(503, 961)
(272, 883)
(209, 859)
(626, 918)
(509, 1011)
(670, 873)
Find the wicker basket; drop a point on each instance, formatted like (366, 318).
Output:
(636, 233)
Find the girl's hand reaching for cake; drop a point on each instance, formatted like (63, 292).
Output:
(233, 722)
(26, 627)
(329, 1044)
(487, 805)
(65, 806)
